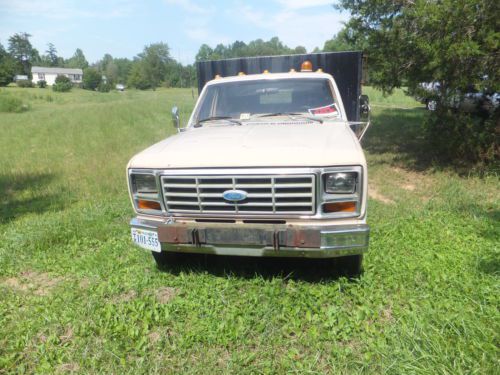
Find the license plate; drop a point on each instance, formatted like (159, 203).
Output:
(146, 239)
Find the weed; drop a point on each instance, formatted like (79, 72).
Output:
(10, 103)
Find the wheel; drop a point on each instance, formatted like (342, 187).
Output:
(350, 266)
(431, 105)
(165, 258)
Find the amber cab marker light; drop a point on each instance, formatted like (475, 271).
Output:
(306, 66)
(148, 205)
(339, 207)
(241, 74)
(217, 76)
(265, 71)
(319, 70)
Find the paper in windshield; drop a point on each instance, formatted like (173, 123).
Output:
(328, 110)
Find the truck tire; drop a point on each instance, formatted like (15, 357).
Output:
(350, 266)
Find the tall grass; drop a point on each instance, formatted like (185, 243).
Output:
(9, 103)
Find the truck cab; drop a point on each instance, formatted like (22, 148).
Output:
(268, 165)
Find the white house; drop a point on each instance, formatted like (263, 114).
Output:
(41, 73)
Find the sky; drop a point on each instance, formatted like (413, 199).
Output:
(123, 27)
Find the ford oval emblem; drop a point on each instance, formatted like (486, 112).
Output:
(234, 195)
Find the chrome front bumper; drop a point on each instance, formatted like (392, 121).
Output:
(259, 239)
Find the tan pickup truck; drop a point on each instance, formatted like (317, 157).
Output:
(267, 165)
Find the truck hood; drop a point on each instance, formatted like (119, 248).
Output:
(257, 145)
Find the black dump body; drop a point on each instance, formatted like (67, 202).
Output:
(345, 67)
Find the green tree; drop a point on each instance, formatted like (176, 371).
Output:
(221, 52)
(155, 58)
(453, 42)
(111, 72)
(22, 51)
(91, 79)
(239, 49)
(300, 50)
(204, 53)
(104, 62)
(7, 67)
(346, 39)
(123, 66)
(138, 77)
(52, 57)
(179, 75)
(78, 60)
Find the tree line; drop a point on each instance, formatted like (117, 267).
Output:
(151, 68)
(256, 47)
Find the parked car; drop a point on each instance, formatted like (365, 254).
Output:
(268, 165)
(472, 101)
(120, 87)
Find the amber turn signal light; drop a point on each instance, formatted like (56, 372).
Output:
(339, 207)
(148, 205)
(306, 66)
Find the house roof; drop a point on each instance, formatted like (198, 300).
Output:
(43, 69)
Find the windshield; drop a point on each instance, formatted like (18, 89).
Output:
(243, 100)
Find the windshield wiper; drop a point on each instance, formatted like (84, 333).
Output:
(290, 114)
(215, 118)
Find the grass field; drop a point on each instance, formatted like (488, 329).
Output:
(76, 296)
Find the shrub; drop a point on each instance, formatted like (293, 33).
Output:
(42, 84)
(24, 83)
(463, 137)
(62, 84)
(11, 104)
(104, 87)
(91, 79)
(138, 78)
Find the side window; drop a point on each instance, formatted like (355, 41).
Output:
(207, 104)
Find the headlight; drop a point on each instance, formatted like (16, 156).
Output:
(144, 184)
(341, 182)
(145, 193)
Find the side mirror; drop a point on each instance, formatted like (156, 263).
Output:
(175, 117)
(360, 127)
(364, 108)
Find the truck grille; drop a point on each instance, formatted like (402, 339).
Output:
(266, 195)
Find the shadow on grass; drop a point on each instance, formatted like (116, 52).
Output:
(23, 194)
(483, 220)
(489, 260)
(310, 270)
(399, 132)
(489, 263)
